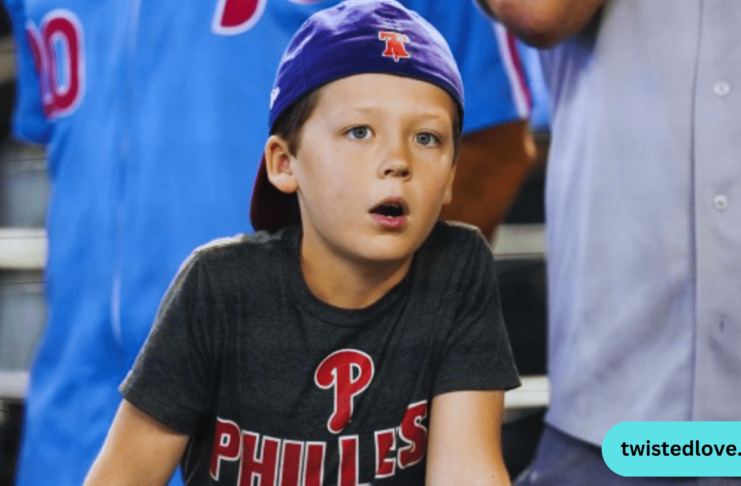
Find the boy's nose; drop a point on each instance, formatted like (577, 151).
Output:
(397, 168)
(396, 164)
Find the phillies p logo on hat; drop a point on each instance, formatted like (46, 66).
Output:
(394, 45)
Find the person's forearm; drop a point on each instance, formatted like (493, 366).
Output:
(464, 443)
(544, 23)
(138, 451)
(114, 471)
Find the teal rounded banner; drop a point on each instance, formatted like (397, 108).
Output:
(674, 449)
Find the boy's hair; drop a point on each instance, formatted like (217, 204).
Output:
(353, 37)
(291, 122)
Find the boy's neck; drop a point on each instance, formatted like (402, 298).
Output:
(348, 284)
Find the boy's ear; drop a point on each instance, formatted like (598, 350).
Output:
(278, 162)
(448, 197)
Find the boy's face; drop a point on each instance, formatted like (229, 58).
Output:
(374, 167)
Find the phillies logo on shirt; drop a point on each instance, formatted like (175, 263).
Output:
(349, 372)
(262, 460)
(394, 45)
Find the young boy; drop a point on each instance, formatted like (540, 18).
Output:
(357, 341)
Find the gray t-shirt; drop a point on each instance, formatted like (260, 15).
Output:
(272, 383)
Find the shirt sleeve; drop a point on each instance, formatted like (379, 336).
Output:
(494, 78)
(29, 122)
(476, 354)
(171, 378)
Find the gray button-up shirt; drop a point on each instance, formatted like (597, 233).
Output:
(644, 217)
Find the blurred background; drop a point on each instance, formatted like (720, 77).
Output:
(23, 197)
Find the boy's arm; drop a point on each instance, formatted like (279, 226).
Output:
(138, 451)
(464, 445)
(491, 168)
(544, 23)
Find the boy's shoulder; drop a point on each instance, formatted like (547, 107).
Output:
(252, 241)
(451, 249)
(456, 237)
(259, 251)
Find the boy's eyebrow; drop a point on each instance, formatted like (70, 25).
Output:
(433, 113)
(361, 109)
(437, 114)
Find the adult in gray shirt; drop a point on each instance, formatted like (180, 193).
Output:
(644, 220)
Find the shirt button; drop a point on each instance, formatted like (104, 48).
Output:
(721, 88)
(720, 202)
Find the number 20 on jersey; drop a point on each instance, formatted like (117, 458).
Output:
(56, 46)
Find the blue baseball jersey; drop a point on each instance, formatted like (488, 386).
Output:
(155, 113)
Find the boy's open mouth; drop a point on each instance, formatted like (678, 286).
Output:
(391, 214)
(390, 208)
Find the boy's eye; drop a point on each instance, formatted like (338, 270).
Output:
(427, 138)
(359, 133)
